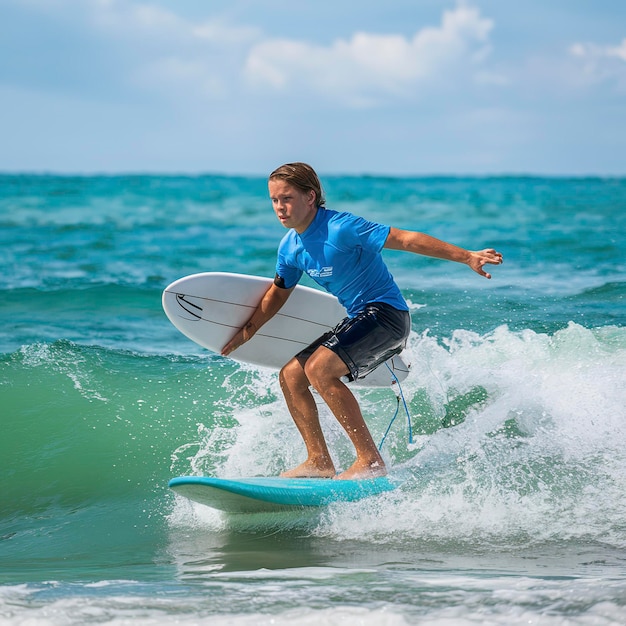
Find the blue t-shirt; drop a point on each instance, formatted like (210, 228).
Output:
(341, 252)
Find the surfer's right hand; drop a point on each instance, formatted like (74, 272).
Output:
(241, 336)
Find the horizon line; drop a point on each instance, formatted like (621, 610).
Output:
(206, 173)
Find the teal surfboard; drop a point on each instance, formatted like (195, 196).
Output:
(252, 495)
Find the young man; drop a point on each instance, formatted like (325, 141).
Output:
(341, 252)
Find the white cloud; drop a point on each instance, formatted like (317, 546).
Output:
(127, 47)
(139, 49)
(367, 67)
(172, 51)
(602, 62)
(139, 20)
(593, 51)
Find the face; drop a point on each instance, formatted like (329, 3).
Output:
(294, 208)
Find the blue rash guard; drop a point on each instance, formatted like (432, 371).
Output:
(341, 252)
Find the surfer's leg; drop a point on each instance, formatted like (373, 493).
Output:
(303, 409)
(353, 349)
(324, 370)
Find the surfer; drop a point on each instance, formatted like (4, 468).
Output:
(341, 252)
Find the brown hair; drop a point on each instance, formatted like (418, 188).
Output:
(302, 177)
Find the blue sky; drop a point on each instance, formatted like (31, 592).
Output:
(240, 86)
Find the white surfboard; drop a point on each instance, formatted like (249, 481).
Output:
(256, 495)
(210, 307)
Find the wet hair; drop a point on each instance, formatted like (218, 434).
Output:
(302, 177)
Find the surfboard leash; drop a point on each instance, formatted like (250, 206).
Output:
(399, 396)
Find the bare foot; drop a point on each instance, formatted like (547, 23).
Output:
(362, 471)
(308, 469)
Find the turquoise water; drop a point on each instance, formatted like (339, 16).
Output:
(512, 510)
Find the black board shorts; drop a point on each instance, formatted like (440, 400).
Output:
(363, 342)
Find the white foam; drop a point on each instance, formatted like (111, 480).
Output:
(417, 597)
(542, 455)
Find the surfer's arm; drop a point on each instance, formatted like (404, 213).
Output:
(269, 305)
(420, 243)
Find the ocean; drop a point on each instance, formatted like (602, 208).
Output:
(513, 506)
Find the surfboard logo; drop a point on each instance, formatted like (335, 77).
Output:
(189, 307)
(325, 272)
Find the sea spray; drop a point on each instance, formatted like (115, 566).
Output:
(539, 440)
